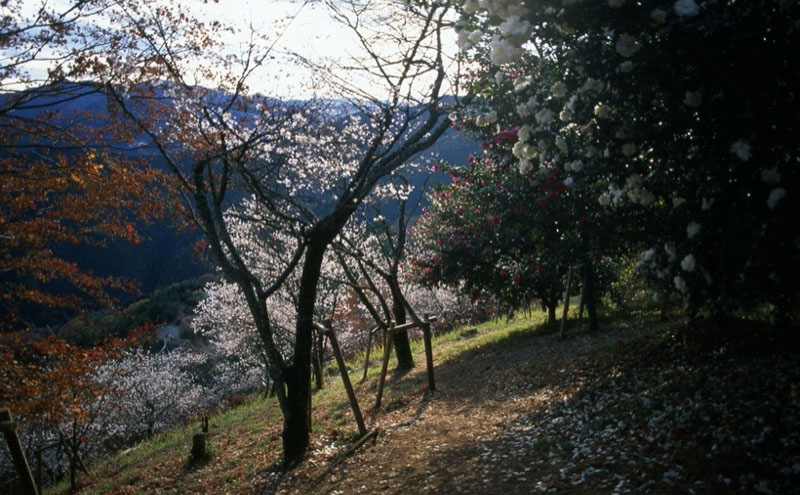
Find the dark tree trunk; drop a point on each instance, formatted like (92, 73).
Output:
(405, 361)
(295, 419)
(551, 310)
(587, 272)
(316, 362)
(298, 380)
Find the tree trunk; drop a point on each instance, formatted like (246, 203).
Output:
(295, 419)
(316, 362)
(298, 379)
(405, 361)
(589, 293)
(551, 310)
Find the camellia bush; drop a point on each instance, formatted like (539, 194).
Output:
(492, 233)
(677, 119)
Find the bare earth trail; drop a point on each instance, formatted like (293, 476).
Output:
(641, 407)
(623, 411)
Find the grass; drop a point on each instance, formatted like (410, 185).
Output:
(246, 439)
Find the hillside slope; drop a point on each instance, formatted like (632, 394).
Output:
(643, 407)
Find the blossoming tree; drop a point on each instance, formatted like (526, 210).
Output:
(701, 158)
(307, 172)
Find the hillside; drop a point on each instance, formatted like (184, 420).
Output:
(642, 407)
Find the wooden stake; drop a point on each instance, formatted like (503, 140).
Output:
(581, 305)
(369, 348)
(566, 302)
(351, 395)
(387, 350)
(426, 335)
(9, 429)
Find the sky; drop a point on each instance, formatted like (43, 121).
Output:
(306, 29)
(294, 26)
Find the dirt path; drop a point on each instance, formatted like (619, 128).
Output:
(443, 443)
(640, 408)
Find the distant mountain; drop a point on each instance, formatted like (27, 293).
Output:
(164, 257)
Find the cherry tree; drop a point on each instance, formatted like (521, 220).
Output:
(306, 171)
(371, 250)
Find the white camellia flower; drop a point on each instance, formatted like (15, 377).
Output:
(659, 16)
(688, 263)
(670, 250)
(470, 6)
(565, 29)
(544, 116)
(503, 52)
(463, 40)
(686, 8)
(475, 36)
(602, 110)
(628, 149)
(692, 229)
(648, 254)
(742, 150)
(693, 99)
(523, 151)
(558, 90)
(706, 204)
(518, 149)
(574, 166)
(679, 284)
(565, 115)
(524, 133)
(524, 166)
(604, 199)
(561, 144)
(592, 84)
(626, 66)
(771, 176)
(523, 110)
(521, 84)
(499, 77)
(775, 196)
(516, 29)
(627, 45)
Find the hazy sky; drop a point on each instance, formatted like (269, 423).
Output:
(296, 28)
(292, 25)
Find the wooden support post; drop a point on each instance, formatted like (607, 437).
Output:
(17, 453)
(581, 305)
(369, 348)
(387, 350)
(426, 335)
(204, 427)
(566, 302)
(351, 395)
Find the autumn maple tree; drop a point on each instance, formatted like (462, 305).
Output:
(69, 170)
(54, 387)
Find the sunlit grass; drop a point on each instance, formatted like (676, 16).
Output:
(246, 439)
